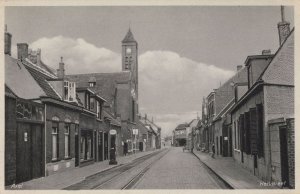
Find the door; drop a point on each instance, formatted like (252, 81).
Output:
(284, 155)
(230, 141)
(29, 152)
(37, 151)
(100, 146)
(23, 153)
(77, 157)
(225, 141)
(217, 145)
(141, 146)
(221, 145)
(105, 146)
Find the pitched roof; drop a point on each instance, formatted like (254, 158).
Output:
(281, 69)
(146, 122)
(279, 60)
(20, 81)
(141, 127)
(9, 93)
(113, 120)
(41, 78)
(182, 126)
(225, 92)
(129, 37)
(105, 82)
(194, 123)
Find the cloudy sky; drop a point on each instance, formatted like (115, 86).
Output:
(184, 52)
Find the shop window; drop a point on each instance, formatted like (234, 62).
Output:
(54, 141)
(67, 140)
(86, 145)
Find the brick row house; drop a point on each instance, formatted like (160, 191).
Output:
(251, 116)
(153, 135)
(55, 122)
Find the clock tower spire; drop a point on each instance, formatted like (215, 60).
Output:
(130, 57)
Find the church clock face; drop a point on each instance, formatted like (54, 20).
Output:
(128, 50)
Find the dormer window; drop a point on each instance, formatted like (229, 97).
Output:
(69, 91)
(92, 84)
(99, 110)
(87, 101)
(66, 90)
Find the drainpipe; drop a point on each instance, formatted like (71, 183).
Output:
(45, 139)
(270, 156)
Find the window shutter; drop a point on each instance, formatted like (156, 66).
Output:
(247, 132)
(260, 130)
(241, 126)
(253, 131)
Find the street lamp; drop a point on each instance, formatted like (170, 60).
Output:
(113, 135)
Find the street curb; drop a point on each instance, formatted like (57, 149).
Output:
(219, 176)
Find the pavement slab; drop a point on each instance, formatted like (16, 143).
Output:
(231, 172)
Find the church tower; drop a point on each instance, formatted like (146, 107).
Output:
(130, 58)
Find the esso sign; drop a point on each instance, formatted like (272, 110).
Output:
(113, 132)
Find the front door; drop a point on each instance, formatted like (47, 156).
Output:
(230, 141)
(284, 155)
(221, 145)
(100, 146)
(37, 151)
(76, 150)
(29, 152)
(105, 146)
(23, 152)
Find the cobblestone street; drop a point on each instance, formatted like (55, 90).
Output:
(179, 170)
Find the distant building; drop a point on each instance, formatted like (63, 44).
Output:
(180, 134)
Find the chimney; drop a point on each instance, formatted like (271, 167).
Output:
(283, 27)
(266, 52)
(38, 56)
(61, 69)
(145, 117)
(22, 51)
(152, 119)
(7, 39)
(239, 67)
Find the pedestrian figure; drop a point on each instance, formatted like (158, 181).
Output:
(213, 150)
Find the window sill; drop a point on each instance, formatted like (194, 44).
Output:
(236, 150)
(55, 160)
(84, 161)
(68, 158)
(99, 119)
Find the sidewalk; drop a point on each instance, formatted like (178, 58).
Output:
(231, 172)
(64, 179)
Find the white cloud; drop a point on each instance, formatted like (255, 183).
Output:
(171, 87)
(79, 55)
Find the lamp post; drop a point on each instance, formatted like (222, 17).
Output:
(135, 133)
(113, 135)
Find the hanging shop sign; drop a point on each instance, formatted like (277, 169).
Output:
(135, 131)
(113, 132)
